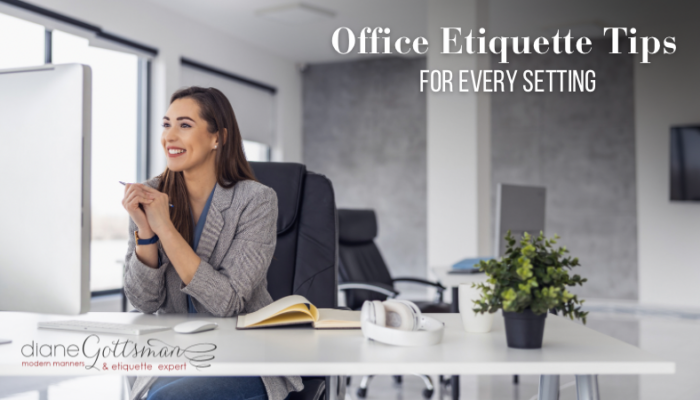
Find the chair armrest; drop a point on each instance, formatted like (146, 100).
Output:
(373, 287)
(421, 281)
(437, 285)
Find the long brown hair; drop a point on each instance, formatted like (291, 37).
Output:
(230, 164)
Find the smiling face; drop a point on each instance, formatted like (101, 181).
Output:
(186, 141)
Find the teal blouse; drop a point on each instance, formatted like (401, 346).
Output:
(197, 234)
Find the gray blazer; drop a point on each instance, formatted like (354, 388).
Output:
(236, 247)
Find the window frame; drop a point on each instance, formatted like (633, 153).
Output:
(142, 135)
(142, 132)
(145, 54)
(143, 114)
(273, 144)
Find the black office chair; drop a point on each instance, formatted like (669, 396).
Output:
(305, 261)
(365, 276)
(306, 257)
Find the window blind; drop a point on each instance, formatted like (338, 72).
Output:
(97, 36)
(253, 104)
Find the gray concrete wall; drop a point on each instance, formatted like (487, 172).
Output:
(581, 146)
(364, 127)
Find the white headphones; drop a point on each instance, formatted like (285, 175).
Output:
(399, 322)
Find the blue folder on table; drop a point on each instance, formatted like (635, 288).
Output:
(468, 265)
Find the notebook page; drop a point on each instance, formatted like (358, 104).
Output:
(271, 310)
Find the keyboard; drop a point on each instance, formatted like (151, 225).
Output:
(102, 327)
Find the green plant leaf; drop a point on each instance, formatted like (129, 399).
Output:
(532, 274)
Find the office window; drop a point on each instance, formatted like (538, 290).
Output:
(256, 151)
(254, 106)
(114, 149)
(21, 43)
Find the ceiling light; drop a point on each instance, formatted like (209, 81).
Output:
(589, 29)
(295, 13)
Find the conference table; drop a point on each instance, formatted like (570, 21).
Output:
(568, 348)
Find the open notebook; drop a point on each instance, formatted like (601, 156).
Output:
(294, 310)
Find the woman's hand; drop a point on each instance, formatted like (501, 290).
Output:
(158, 211)
(135, 194)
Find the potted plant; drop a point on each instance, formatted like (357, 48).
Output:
(529, 280)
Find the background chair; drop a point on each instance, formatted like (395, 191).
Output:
(365, 276)
(519, 209)
(305, 261)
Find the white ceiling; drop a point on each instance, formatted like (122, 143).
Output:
(309, 42)
(543, 17)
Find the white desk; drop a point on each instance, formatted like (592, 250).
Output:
(568, 348)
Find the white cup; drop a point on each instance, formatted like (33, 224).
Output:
(473, 322)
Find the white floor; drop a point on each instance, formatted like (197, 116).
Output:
(673, 335)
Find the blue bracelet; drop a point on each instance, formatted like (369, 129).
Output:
(140, 242)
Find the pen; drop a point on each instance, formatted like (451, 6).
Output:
(125, 185)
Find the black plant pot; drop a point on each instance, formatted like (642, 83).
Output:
(524, 330)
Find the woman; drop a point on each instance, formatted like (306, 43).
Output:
(208, 253)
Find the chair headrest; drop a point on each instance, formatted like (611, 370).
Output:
(356, 226)
(287, 180)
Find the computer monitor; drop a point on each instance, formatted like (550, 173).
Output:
(45, 180)
(519, 209)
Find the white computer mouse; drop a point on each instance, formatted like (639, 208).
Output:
(194, 326)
